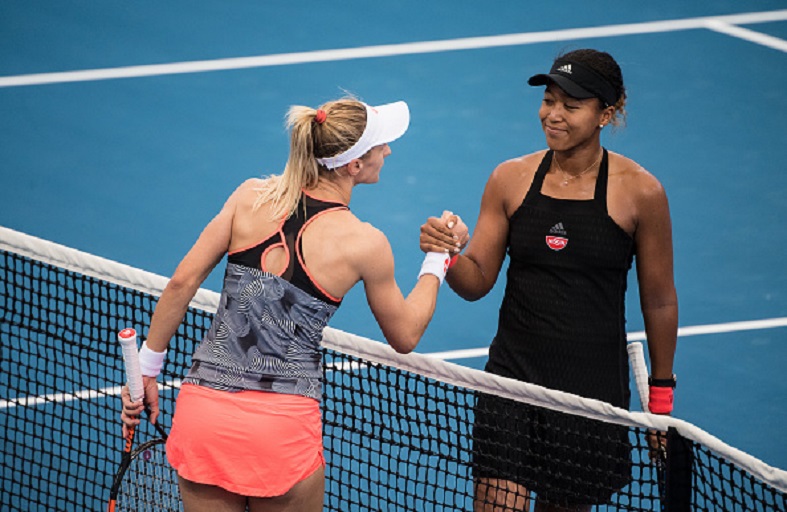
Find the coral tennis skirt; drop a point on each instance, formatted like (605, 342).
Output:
(252, 443)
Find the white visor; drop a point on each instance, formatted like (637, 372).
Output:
(384, 124)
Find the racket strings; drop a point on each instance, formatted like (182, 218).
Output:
(149, 483)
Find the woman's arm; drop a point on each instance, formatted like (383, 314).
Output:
(658, 297)
(403, 320)
(192, 271)
(475, 272)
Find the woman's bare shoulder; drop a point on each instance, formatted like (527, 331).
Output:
(633, 174)
(635, 186)
(511, 179)
(521, 164)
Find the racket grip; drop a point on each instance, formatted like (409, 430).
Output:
(640, 370)
(128, 342)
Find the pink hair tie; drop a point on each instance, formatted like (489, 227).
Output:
(320, 116)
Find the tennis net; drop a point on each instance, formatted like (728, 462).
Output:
(401, 432)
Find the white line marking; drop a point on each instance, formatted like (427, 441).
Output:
(748, 35)
(471, 43)
(695, 330)
(29, 401)
(86, 394)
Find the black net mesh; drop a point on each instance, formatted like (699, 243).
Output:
(394, 439)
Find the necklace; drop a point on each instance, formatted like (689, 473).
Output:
(567, 177)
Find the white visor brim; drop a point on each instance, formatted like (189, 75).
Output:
(384, 124)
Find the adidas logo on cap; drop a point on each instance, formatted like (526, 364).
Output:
(565, 68)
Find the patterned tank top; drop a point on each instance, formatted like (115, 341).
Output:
(267, 330)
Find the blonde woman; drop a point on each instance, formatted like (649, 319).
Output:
(247, 427)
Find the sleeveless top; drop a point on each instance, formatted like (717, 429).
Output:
(562, 319)
(267, 330)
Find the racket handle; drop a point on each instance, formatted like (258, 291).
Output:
(640, 370)
(128, 342)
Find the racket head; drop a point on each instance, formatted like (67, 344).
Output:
(146, 481)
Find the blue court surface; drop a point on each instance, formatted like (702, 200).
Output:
(125, 125)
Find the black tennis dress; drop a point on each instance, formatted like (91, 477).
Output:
(562, 326)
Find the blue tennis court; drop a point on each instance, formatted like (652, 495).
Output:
(125, 127)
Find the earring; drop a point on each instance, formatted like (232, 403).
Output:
(601, 126)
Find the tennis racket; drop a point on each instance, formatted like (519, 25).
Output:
(144, 480)
(640, 371)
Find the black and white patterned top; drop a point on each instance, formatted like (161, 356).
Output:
(267, 331)
(265, 336)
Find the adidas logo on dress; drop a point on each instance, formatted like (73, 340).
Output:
(557, 239)
(557, 229)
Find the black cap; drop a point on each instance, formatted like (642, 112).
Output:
(578, 80)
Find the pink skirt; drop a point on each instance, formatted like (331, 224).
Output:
(251, 443)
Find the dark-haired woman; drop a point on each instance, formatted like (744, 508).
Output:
(247, 433)
(571, 218)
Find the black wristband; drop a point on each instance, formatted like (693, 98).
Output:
(663, 383)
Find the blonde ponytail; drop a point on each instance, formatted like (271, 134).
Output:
(343, 124)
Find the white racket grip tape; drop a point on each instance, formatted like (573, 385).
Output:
(128, 341)
(640, 370)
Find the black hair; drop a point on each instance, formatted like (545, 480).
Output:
(604, 64)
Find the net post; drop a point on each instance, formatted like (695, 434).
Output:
(680, 461)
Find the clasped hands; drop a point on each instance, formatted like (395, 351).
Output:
(447, 233)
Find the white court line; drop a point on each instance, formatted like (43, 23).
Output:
(472, 43)
(683, 332)
(696, 330)
(748, 35)
(86, 394)
(89, 394)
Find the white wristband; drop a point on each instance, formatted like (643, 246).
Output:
(435, 263)
(150, 362)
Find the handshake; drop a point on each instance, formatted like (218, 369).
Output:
(442, 239)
